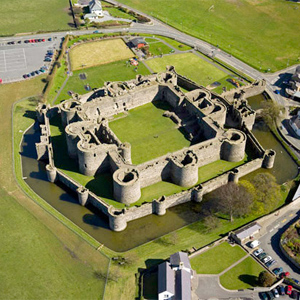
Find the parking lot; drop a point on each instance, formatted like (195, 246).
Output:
(22, 58)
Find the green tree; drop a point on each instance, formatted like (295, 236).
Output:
(267, 191)
(265, 279)
(233, 199)
(211, 222)
(270, 112)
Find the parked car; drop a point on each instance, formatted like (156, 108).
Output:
(50, 39)
(263, 296)
(32, 73)
(28, 75)
(19, 42)
(47, 59)
(258, 251)
(276, 294)
(42, 70)
(266, 259)
(26, 41)
(96, 31)
(262, 255)
(295, 280)
(281, 290)
(37, 72)
(284, 274)
(270, 296)
(289, 289)
(25, 76)
(271, 263)
(277, 271)
(254, 244)
(294, 294)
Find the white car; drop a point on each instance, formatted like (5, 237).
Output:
(266, 259)
(254, 244)
(276, 294)
(258, 251)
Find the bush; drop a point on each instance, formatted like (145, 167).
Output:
(265, 279)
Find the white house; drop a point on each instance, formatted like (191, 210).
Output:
(96, 8)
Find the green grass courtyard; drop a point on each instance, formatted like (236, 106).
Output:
(150, 134)
(242, 276)
(217, 259)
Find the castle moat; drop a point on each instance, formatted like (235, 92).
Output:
(141, 230)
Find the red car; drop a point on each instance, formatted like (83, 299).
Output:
(284, 274)
(289, 289)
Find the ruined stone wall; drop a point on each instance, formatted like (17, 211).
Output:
(250, 90)
(107, 135)
(186, 83)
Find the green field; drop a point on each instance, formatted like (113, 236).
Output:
(40, 257)
(157, 48)
(22, 16)
(150, 134)
(96, 76)
(189, 65)
(263, 33)
(217, 259)
(242, 276)
(91, 54)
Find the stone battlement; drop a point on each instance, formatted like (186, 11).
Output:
(96, 148)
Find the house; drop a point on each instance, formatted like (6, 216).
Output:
(90, 16)
(247, 232)
(174, 278)
(138, 43)
(293, 90)
(96, 8)
(295, 122)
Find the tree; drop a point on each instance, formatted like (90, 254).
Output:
(233, 200)
(265, 279)
(77, 10)
(267, 191)
(211, 222)
(270, 112)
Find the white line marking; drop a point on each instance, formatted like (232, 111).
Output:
(276, 226)
(271, 230)
(4, 61)
(24, 58)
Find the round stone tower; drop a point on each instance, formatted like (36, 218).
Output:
(197, 194)
(69, 109)
(160, 206)
(269, 159)
(125, 149)
(234, 145)
(117, 219)
(126, 185)
(184, 170)
(234, 176)
(51, 173)
(41, 110)
(83, 195)
(90, 157)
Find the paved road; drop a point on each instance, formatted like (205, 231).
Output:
(270, 241)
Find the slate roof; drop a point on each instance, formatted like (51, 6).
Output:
(137, 41)
(180, 257)
(247, 231)
(166, 278)
(183, 285)
(95, 5)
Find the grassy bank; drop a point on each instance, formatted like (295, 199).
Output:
(40, 257)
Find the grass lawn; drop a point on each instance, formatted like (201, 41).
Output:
(96, 76)
(40, 257)
(158, 48)
(98, 53)
(20, 16)
(117, 13)
(175, 44)
(150, 134)
(217, 259)
(263, 33)
(242, 276)
(189, 65)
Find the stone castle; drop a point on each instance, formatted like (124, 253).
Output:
(200, 113)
